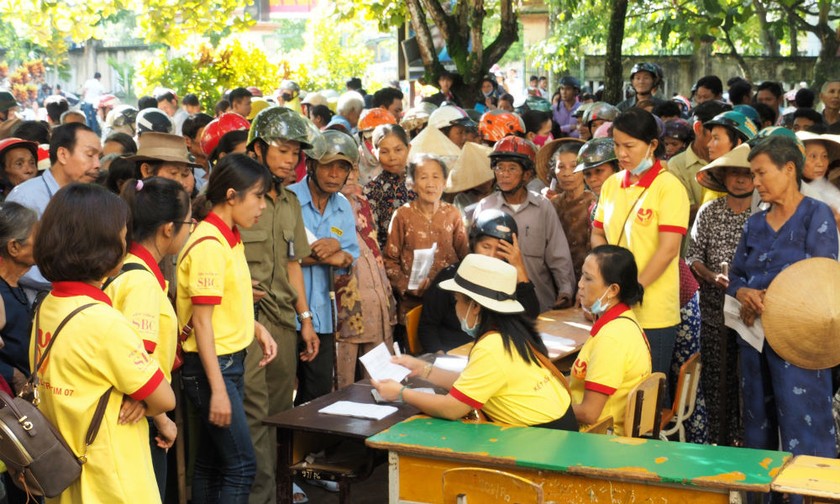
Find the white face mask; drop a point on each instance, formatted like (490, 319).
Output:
(644, 165)
(472, 331)
(598, 308)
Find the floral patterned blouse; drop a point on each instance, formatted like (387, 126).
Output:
(386, 193)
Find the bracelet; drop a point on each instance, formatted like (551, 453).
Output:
(427, 370)
(400, 397)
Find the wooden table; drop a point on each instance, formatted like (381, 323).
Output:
(568, 323)
(302, 430)
(571, 466)
(811, 477)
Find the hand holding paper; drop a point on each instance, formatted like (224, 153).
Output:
(378, 364)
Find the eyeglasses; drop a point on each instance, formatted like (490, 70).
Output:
(192, 222)
(507, 169)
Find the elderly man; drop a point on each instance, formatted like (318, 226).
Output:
(348, 110)
(830, 98)
(8, 118)
(645, 79)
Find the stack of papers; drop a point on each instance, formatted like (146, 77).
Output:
(557, 344)
(754, 335)
(378, 364)
(358, 410)
(456, 364)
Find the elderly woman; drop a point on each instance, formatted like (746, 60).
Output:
(714, 237)
(645, 209)
(781, 399)
(505, 376)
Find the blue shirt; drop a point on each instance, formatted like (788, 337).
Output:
(337, 222)
(763, 253)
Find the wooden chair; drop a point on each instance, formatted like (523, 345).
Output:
(476, 485)
(684, 400)
(644, 407)
(604, 426)
(412, 322)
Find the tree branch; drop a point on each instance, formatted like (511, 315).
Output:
(508, 34)
(475, 61)
(441, 19)
(425, 43)
(727, 24)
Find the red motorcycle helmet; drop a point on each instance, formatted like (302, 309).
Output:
(216, 129)
(14, 143)
(497, 124)
(516, 149)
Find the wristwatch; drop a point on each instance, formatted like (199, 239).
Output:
(304, 315)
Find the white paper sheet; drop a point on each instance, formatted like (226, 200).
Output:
(557, 344)
(456, 364)
(378, 364)
(732, 318)
(358, 410)
(310, 236)
(423, 259)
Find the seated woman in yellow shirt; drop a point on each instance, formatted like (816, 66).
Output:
(616, 357)
(504, 376)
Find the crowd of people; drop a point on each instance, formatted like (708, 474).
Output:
(251, 255)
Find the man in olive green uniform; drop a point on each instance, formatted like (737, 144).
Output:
(274, 247)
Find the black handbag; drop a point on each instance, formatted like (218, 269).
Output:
(38, 459)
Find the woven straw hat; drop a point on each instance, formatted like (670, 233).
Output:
(432, 141)
(545, 153)
(805, 329)
(471, 169)
(713, 175)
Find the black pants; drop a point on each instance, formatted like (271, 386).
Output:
(315, 378)
(566, 422)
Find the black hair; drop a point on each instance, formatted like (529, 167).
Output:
(34, 131)
(145, 102)
(641, 125)
(222, 106)
(56, 108)
(533, 78)
(193, 124)
(16, 223)
(190, 99)
(228, 142)
(712, 83)
(739, 90)
(386, 96)
(124, 139)
(781, 150)
(516, 330)
(618, 266)
(707, 111)
(167, 97)
(65, 136)
(321, 111)
(507, 97)
(158, 201)
(238, 172)
(95, 246)
(818, 129)
(804, 98)
(534, 120)
(668, 108)
(766, 113)
(774, 87)
(384, 130)
(97, 75)
(238, 94)
(419, 159)
(120, 170)
(809, 113)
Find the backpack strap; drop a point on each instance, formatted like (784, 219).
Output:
(546, 362)
(187, 329)
(125, 268)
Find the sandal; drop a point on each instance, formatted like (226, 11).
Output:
(298, 495)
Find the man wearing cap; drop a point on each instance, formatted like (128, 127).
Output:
(8, 118)
(445, 82)
(18, 162)
(74, 155)
(166, 156)
(645, 79)
(563, 111)
(329, 218)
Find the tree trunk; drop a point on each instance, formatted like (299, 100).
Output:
(767, 36)
(828, 61)
(613, 72)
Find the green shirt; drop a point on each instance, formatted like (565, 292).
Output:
(278, 237)
(685, 166)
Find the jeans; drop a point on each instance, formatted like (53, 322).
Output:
(90, 117)
(225, 464)
(158, 460)
(662, 342)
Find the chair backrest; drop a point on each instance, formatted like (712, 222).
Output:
(603, 426)
(477, 485)
(644, 407)
(412, 322)
(687, 384)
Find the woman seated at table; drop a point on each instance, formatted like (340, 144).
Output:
(609, 366)
(492, 234)
(504, 376)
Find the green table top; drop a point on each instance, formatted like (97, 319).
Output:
(595, 455)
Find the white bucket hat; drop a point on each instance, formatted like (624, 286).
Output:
(488, 281)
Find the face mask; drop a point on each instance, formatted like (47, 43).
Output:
(644, 165)
(286, 97)
(541, 140)
(472, 331)
(598, 308)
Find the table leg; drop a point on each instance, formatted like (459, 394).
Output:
(285, 445)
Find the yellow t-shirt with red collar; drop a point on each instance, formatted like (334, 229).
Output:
(97, 349)
(140, 295)
(613, 360)
(507, 388)
(657, 203)
(215, 272)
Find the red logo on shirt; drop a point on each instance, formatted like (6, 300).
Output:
(644, 215)
(579, 369)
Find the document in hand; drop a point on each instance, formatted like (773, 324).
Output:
(423, 259)
(378, 364)
(358, 410)
(732, 318)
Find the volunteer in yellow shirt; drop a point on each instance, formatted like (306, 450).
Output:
(96, 352)
(504, 376)
(616, 357)
(161, 219)
(215, 300)
(645, 209)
